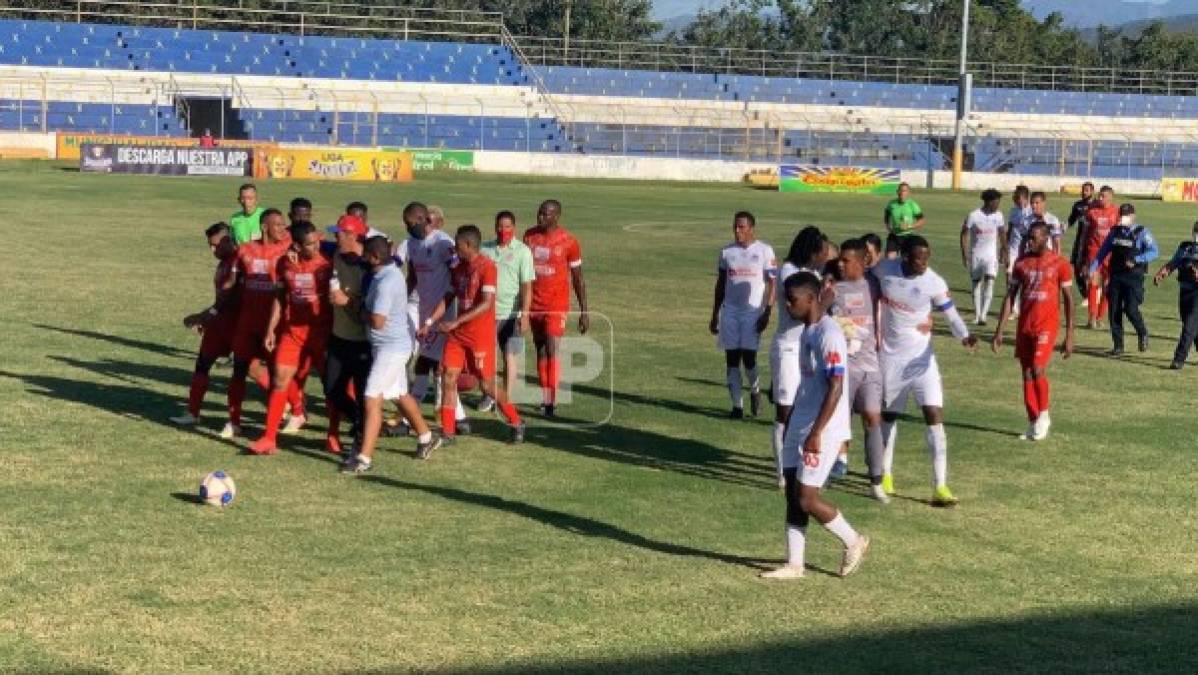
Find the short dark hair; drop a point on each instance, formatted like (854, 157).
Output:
(247, 186)
(912, 242)
(872, 240)
(300, 203)
(505, 214)
(990, 195)
(471, 234)
(355, 206)
(855, 245)
(216, 228)
(378, 246)
(413, 206)
(747, 216)
(1039, 195)
(554, 202)
(803, 281)
(1088, 184)
(1021, 191)
(300, 229)
(1107, 188)
(902, 185)
(270, 212)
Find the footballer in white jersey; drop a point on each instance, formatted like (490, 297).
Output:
(813, 436)
(744, 296)
(1040, 213)
(980, 235)
(910, 291)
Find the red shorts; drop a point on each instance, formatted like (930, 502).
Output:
(551, 323)
(301, 347)
(217, 341)
(1034, 350)
(248, 338)
(479, 362)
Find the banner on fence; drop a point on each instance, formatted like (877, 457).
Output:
(441, 160)
(165, 161)
(801, 178)
(1179, 190)
(382, 166)
(68, 143)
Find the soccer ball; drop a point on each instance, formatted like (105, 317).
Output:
(217, 489)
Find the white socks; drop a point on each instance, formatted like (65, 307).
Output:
(796, 545)
(459, 413)
(779, 434)
(843, 531)
(734, 387)
(979, 311)
(938, 449)
(889, 432)
(987, 296)
(754, 381)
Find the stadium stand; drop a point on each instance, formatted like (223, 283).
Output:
(483, 96)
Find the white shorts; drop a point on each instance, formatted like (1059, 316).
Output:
(985, 266)
(388, 375)
(738, 330)
(784, 369)
(814, 475)
(902, 377)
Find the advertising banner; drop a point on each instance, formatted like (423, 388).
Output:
(441, 160)
(799, 178)
(381, 166)
(69, 143)
(1179, 190)
(165, 161)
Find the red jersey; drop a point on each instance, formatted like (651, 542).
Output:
(1040, 279)
(471, 281)
(226, 268)
(1099, 221)
(258, 267)
(306, 285)
(554, 254)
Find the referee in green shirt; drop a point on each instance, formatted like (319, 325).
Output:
(902, 218)
(245, 224)
(513, 298)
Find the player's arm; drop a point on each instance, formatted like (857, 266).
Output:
(337, 296)
(580, 292)
(1008, 305)
(1103, 252)
(834, 371)
(965, 243)
(771, 281)
(276, 312)
(438, 312)
(919, 219)
(720, 280)
(1149, 251)
(526, 277)
(1066, 275)
(487, 305)
(944, 304)
(1167, 268)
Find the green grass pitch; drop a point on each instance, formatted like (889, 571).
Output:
(631, 547)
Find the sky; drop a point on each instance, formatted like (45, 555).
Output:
(1080, 13)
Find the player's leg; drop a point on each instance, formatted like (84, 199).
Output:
(988, 292)
(548, 370)
(379, 382)
(284, 378)
(338, 382)
(868, 403)
(929, 395)
(796, 530)
(896, 389)
(975, 279)
(1115, 310)
(452, 364)
(730, 341)
(259, 372)
(1133, 292)
(196, 390)
(483, 367)
(785, 386)
(748, 357)
(812, 476)
(296, 401)
(1187, 309)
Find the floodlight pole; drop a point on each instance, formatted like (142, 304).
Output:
(963, 94)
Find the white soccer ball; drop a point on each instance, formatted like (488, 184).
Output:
(218, 489)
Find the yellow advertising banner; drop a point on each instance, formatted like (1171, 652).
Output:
(69, 142)
(1179, 190)
(380, 166)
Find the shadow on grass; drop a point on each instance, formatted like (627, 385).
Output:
(580, 525)
(188, 497)
(133, 343)
(1156, 639)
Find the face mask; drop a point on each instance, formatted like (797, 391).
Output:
(1125, 220)
(416, 231)
(506, 236)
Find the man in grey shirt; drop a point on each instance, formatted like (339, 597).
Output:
(856, 310)
(389, 329)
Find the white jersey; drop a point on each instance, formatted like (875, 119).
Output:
(907, 304)
(983, 229)
(788, 329)
(1017, 222)
(747, 268)
(430, 259)
(823, 355)
(1055, 229)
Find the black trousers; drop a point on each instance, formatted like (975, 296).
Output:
(1187, 305)
(1125, 291)
(347, 361)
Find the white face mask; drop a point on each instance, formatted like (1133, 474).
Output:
(1125, 220)
(1196, 236)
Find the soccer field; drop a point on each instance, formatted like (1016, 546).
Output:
(628, 547)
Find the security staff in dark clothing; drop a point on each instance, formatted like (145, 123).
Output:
(1077, 217)
(1131, 247)
(1185, 263)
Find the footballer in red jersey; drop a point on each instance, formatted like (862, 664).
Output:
(471, 340)
(1041, 280)
(216, 323)
(1101, 216)
(256, 270)
(557, 261)
(298, 332)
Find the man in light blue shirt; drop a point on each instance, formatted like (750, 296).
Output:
(390, 331)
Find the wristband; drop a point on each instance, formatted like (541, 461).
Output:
(428, 323)
(212, 311)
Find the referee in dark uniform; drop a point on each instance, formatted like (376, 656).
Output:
(1131, 247)
(1185, 263)
(1077, 217)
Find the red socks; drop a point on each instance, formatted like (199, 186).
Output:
(449, 424)
(236, 398)
(295, 397)
(195, 396)
(548, 372)
(1097, 308)
(1042, 392)
(274, 413)
(1031, 400)
(509, 412)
